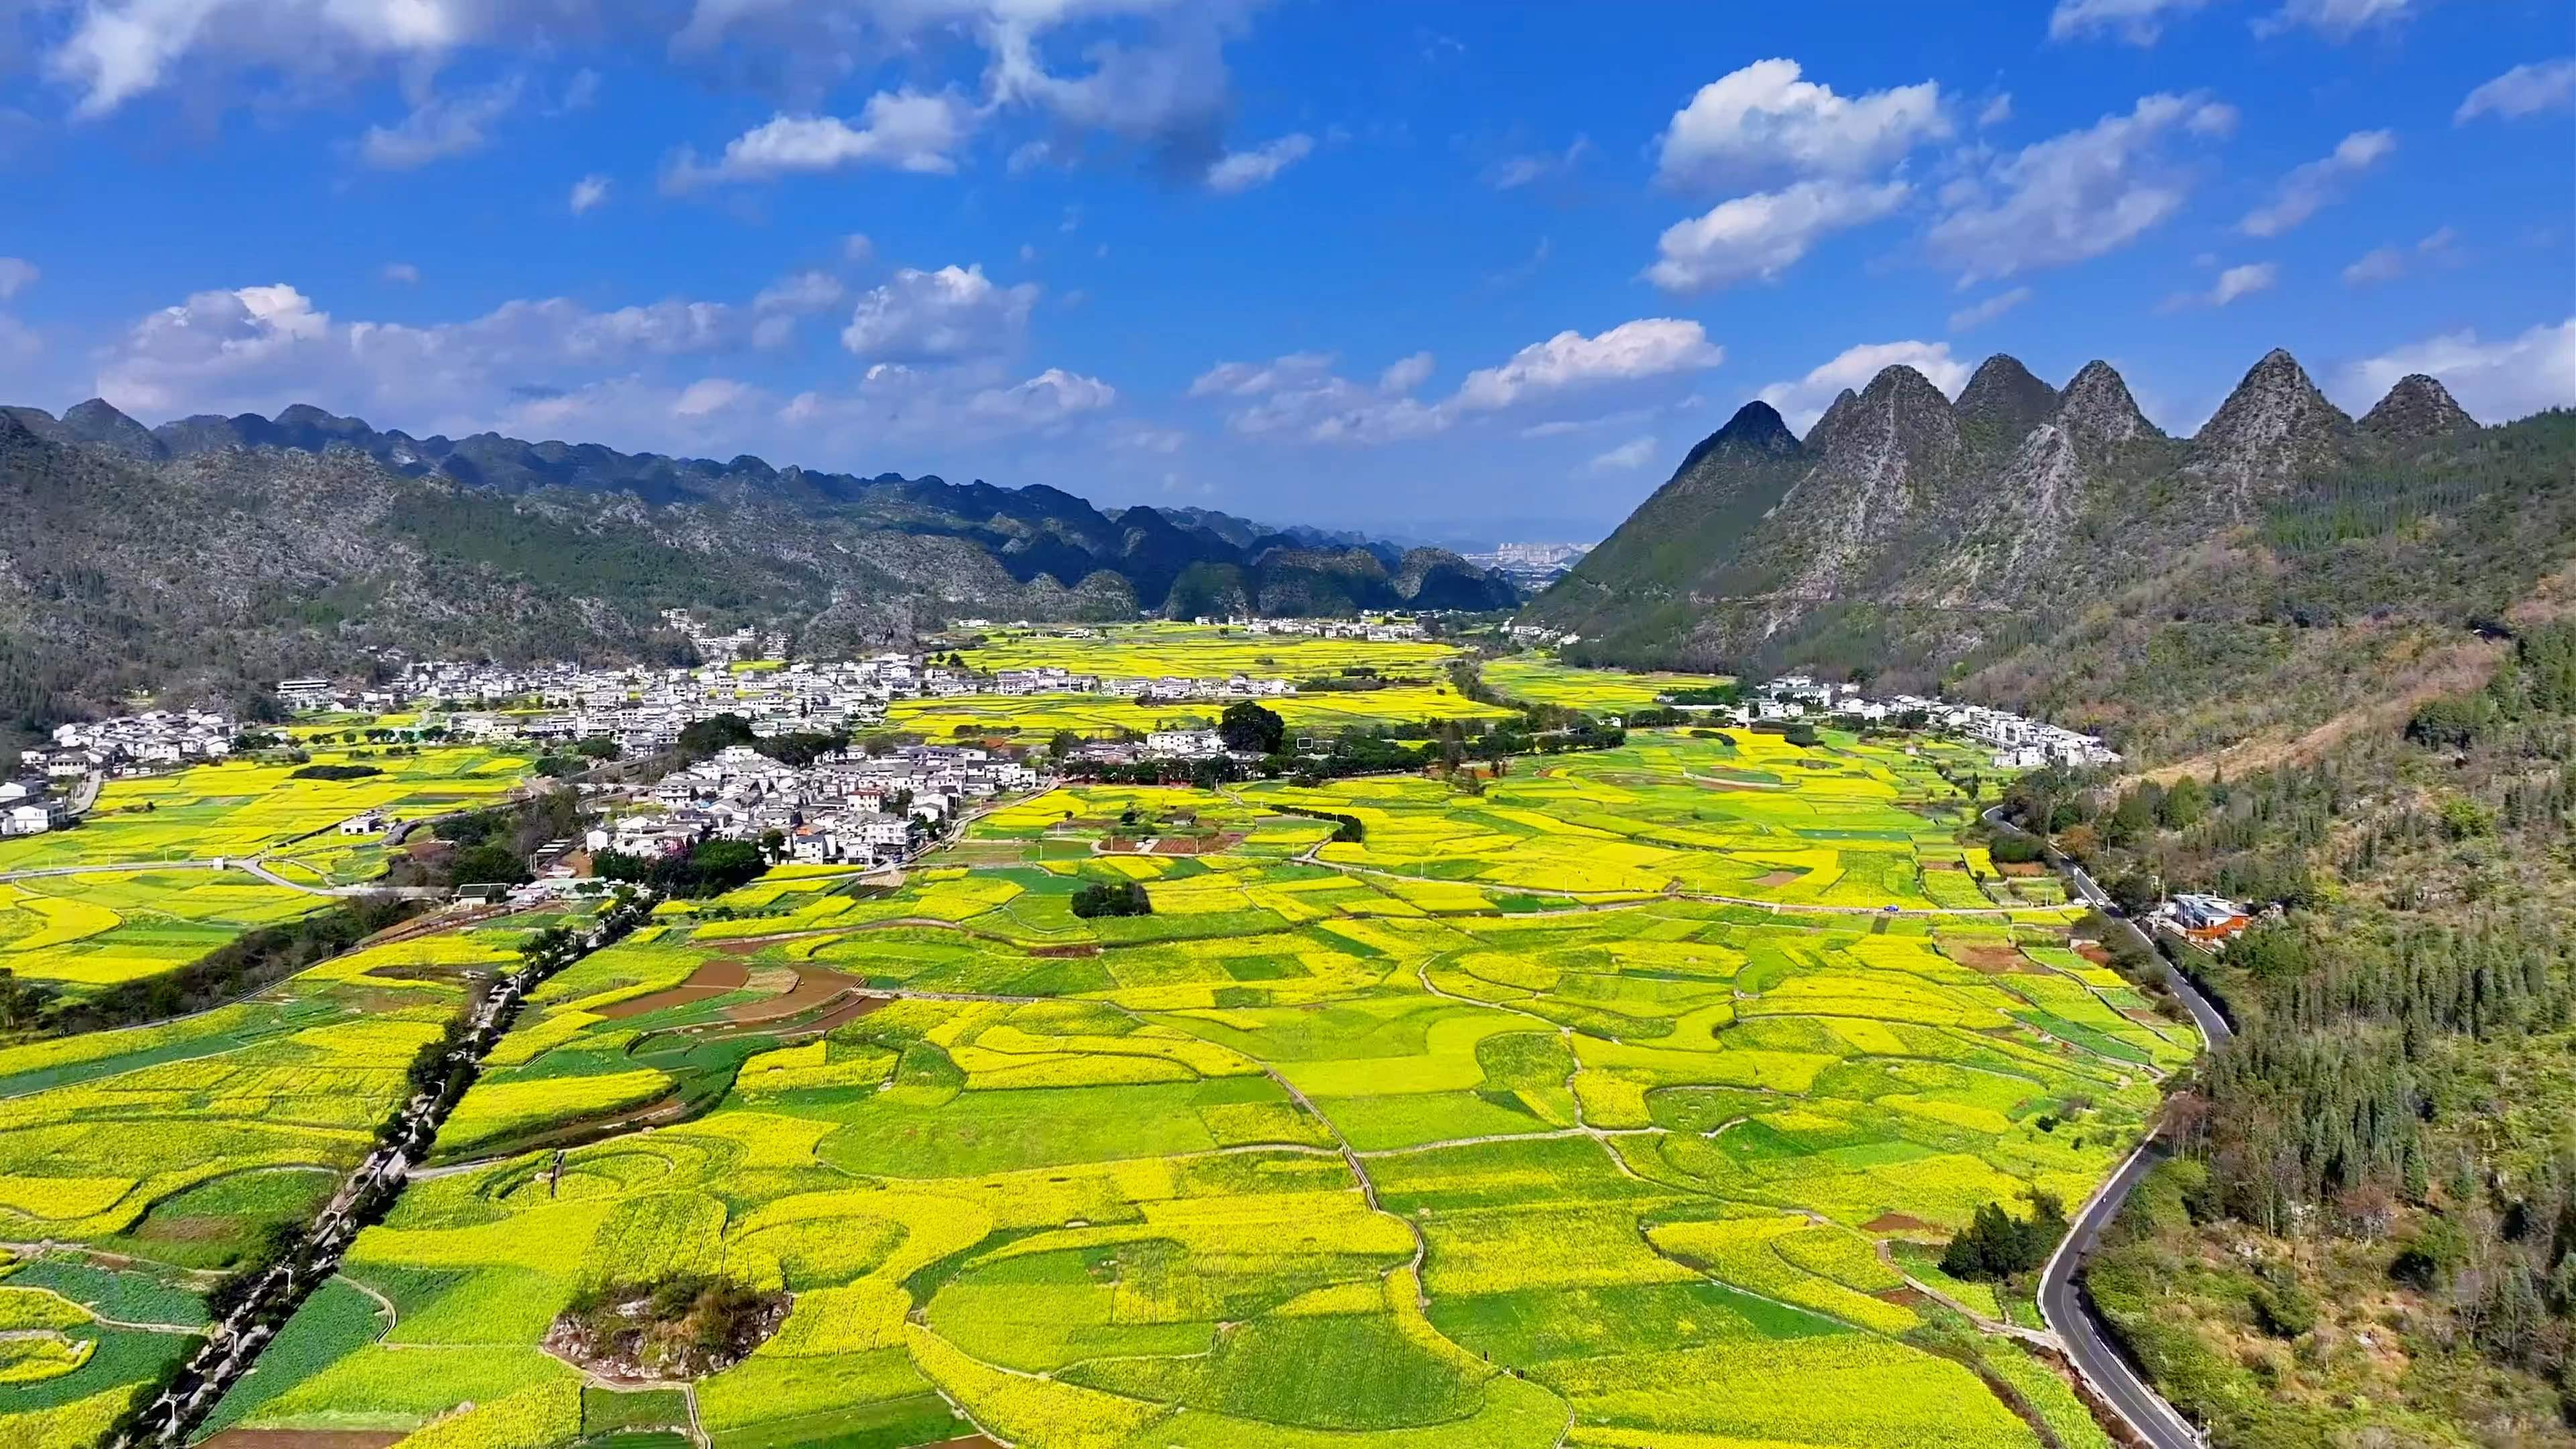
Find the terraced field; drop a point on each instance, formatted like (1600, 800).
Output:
(1603, 1107)
(1539, 679)
(137, 1165)
(1199, 651)
(237, 809)
(92, 930)
(1034, 719)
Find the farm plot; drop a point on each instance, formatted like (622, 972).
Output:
(138, 1166)
(1539, 679)
(94, 930)
(1197, 651)
(237, 809)
(1497, 1127)
(1035, 718)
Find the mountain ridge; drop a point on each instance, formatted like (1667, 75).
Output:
(1980, 543)
(207, 558)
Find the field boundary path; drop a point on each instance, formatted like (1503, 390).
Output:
(2064, 1305)
(233, 1345)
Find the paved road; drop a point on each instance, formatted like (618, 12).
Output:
(2062, 1302)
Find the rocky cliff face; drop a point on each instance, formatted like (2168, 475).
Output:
(1907, 523)
(2272, 428)
(2416, 409)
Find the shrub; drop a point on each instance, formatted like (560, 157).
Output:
(1104, 898)
(335, 772)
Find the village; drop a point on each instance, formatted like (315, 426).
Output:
(843, 805)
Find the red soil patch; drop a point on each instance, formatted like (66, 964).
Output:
(714, 977)
(1085, 948)
(1198, 844)
(2095, 952)
(847, 1012)
(1779, 878)
(302, 1439)
(1903, 1297)
(815, 986)
(1992, 960)
(1945, 865)
(2022, 868)
(1897, 1223)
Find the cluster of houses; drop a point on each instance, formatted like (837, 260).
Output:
(2203, 919)
(136, 744)
(2018, 743)
(845, 807)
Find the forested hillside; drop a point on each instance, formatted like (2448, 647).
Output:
(2372, 1228)
(2054, 551)
(209, 557)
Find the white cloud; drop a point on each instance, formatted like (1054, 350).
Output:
(17, 274)
(2074, 196)
(949, 313)
(2496, 381)
(589, 194)
(2139, 22)
(900, 130)
(2387, 264)
(2336, 19)
(857, 250)
(1803, 400)
(1514, 172)
(116, 50)
(1996, 111)
(801, 292)
(1300, 394)
(1401, 376)
(257, 348)
(630, 377)
(1628, 457)
(441, 127)
(1647, 347)
(402, 272)
(2232, 284)
(1245, 170)
(1760, 236)
(2379, 264)
(2310, 187)
(709, 395)
(1979, 314)
(2525, 90)
(1763, 124)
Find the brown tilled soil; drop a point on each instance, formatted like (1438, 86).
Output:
(1945, 865)
(815, 985)
(1079, 948)
(714, 977)
(302, 1439)
(1905, 1297)
(2095, 952)
(847, 1012)
(1780, 878)
(1992, 960)
(1898, 1223)
(1198, 844)
(2024, 868)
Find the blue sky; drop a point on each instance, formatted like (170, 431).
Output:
(1459, 270)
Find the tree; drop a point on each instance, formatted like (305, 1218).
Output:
(1252, 728)
(2184, 805)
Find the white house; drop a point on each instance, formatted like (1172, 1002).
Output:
(1185, 744)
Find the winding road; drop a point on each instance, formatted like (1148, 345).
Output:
(2063, 1305)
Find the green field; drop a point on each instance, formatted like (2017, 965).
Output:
(237, 809)
(1578, 1110)
(1034, 719)
(1539, 679)
(1157, 649)
(137, 1166)
(93, 930)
